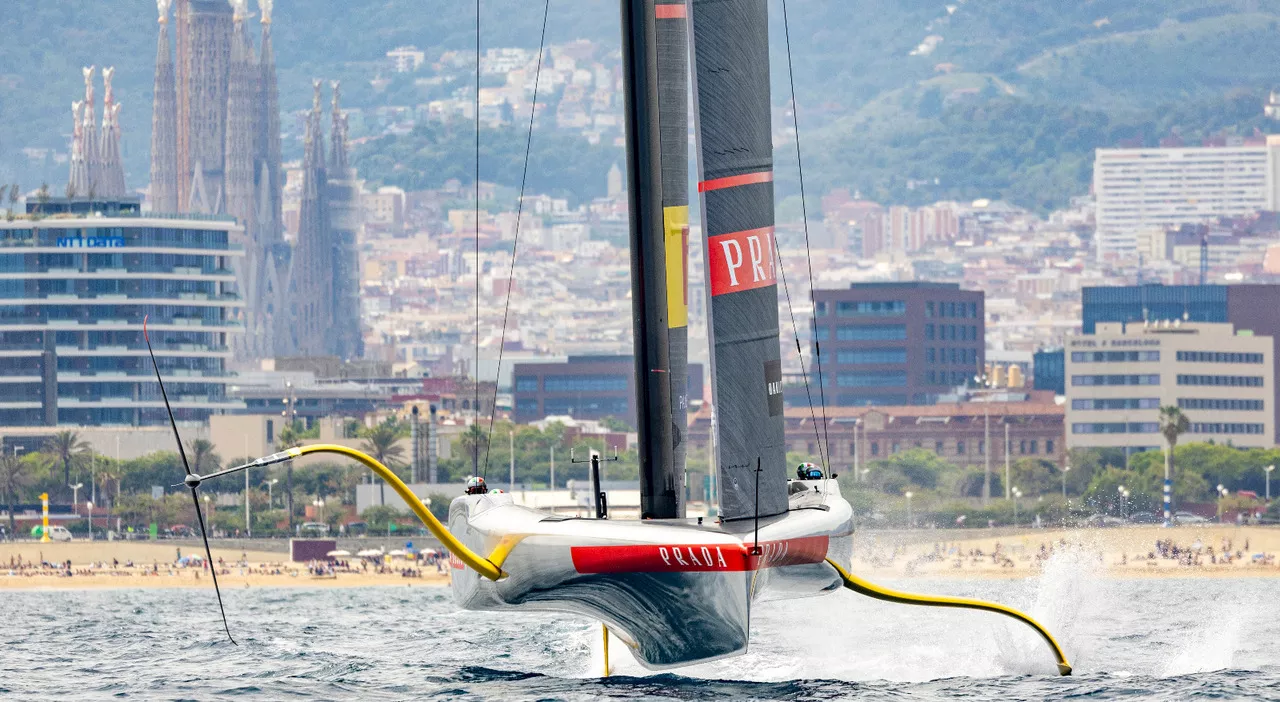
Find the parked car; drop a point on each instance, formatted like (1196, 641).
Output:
(56, 533)
(1188, 518)
(313, 529)
(1145, 518)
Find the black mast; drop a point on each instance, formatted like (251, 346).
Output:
(658, 494)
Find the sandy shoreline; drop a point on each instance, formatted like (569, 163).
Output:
(933, 554)
(93, 567)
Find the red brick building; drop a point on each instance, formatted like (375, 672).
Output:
(956, 432)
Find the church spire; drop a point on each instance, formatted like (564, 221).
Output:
(113, 184)
(313, 257)
(78, 182)
(337, 134)
(89, 136)
(164, 123)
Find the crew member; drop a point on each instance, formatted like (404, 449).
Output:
(476, 486)
(808, 471)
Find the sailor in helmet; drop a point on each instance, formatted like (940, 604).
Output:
(476, 486)
(808, 471)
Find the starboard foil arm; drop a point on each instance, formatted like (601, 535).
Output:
(484, 566)
(863, 587)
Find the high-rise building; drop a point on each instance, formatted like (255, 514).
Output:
(1137, 189)
(80, 275)
(1120, 376)
(585, 387)
(1252, 308)
(898, 343)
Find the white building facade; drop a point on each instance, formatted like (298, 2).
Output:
(1137, 189)
(1120, 377)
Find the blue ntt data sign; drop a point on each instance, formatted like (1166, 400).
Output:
(92, 242)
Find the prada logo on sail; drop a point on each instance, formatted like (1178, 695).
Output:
(741, 261)
(698, 558)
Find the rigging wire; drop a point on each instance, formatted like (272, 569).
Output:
(524, 176)
(475, 370)
(804, 213)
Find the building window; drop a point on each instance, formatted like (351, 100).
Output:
(585, 383)
(930, 355)
(271, 431)
(1034, 447)
(897, 447)
(1218, 357)
(822, 333)
(1116, 403)
(982, 447)
(1223, 404)
(872, 379)
(1022, 447)
(1144, 379)
(822, 308)
(960, 448)
(1115, 356)
(872, 332)
(928, 309)
(527, 383)
(875, 448)
(1048, 446)
(937, 447)
(1231, 381)
(928, 332)
(885, 308)
(1116, 428)
(871, 356)
(1225, 428)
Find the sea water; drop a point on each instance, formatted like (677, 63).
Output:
(1171, 638)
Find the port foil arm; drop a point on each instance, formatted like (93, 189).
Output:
(863, 587)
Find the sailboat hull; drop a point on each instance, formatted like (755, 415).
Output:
(677, 592)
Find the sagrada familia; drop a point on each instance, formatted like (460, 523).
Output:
(215, 149)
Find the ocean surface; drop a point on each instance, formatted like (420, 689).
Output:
(1139, 638)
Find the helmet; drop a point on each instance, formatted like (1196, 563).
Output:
(808, 471)
(476, 486)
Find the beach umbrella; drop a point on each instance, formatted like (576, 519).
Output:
(338, 553)
(398, 553)
(369, 552)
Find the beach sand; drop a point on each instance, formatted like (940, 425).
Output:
(1115, 552)
(153, 568)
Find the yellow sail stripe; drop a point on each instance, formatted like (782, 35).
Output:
(863, 587)
(676, 231)
(472, 559)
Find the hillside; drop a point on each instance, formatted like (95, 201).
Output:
(992, 98)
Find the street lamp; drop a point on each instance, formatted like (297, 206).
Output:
(908, 496)
(1122, 491)
(90, 506)
(319, 505)
(1268, 470)
(1015, 493)
(1223, 492)
(270, 500)
(75, 494)
(1065, 469)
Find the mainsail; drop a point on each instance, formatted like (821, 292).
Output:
(735, 172)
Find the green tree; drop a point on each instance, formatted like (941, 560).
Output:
(65, 447)
(381, 441)
(473, 442)
(14, 475)
(439, 506)
(379, 517)
(612, 423)
(917, 468)
(203, 459)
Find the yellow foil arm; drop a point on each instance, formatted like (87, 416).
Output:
(473, 560)
(862, 587)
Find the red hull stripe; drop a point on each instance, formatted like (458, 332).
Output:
(741, 261)
(669, 11)
(698, 558)
(735, 181)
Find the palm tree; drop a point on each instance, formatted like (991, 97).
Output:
(380, 441)
(473, 442)
(1173, 423)
(13, 477)
(65, 447)
(201, 454)
(290, 436)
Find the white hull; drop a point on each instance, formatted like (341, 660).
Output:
(677, 592)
